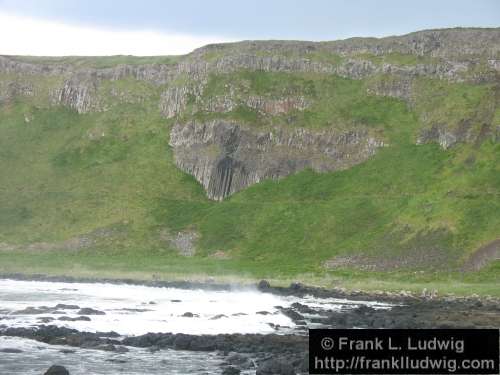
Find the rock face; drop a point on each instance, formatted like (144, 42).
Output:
(463, 133)
(455, 52)
(226, 157)
(77, 95)
(173, 100)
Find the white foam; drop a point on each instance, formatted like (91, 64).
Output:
(163, 315)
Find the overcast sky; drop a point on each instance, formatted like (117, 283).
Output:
(163, 27)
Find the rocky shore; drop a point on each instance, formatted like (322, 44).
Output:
(294, 289)
(274, 353)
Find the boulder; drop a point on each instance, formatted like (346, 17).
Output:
(57, 370)
(296, 286)
(90, 311)
(263, 285)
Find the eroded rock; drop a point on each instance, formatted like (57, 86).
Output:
(226, 157)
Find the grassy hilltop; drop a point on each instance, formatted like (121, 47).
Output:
(99, 193)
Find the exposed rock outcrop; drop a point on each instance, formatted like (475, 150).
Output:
(444, 43)
(78, 95)
(448, 137)
(10, 90)
(483, 256)
(220, 104)
(453, 52)
(263, 105)
(173, 101)
(398, 86)
(226, 157)
(184, 242)
(277, 106)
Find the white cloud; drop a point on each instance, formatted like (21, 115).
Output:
(30, 36)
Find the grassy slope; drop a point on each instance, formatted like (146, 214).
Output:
(65, 175)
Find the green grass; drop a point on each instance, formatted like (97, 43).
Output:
(153, 266)
(334, 102)
(453, 105)
(65, 175)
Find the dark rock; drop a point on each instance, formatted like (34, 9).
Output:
(275, 366)
(90, 311)
(202, 343)
(67, 351)
(251, 343)
(240, 360)
(304, 309)
(263, 313)
(175, 300)
(295, 316)
(34, 310)
(63, 306)
(116, 360)
(154, 349)
(302, 364)
(219, 316)
(75, 319)
(263, 285)
(136, 310)
(107, 334)
(182, 342)
(231, 370)
(107, 347)
(363, 309)
(245, 156)
(45, 319)
(296, 286)
(11, 350)
(121, 349)
(57, 370)
(189, 315)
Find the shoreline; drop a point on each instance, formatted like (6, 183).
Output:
(293, 289)
(241, 351)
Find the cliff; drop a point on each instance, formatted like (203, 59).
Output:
(225, 157)
(368, 153)
(183, 88)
